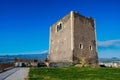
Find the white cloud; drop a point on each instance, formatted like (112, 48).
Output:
(109, 48)
(109, 43)
(45, 51)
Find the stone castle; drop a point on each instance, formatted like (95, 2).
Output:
(73, 41)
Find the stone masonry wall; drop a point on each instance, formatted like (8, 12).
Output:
(60, 42)
(84, 41)
(75, 42)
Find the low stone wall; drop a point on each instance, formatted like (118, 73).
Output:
(60, 64)
(5, 66)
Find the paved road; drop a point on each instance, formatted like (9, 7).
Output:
(14, 74)
(18, 75)
(7, 73)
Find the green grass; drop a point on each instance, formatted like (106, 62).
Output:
(74, 73)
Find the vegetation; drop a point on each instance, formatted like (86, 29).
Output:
(74, 73)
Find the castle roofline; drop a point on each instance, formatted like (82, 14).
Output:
(74, 13)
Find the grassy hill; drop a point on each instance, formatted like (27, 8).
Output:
(74, 73)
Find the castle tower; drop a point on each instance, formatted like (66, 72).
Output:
(73, 41)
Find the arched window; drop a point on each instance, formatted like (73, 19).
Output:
(59, 27)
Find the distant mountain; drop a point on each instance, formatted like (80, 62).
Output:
(10, 58)
(42, 57)
(109, 59)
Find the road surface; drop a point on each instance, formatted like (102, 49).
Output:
(14, 74)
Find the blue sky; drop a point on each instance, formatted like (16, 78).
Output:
(24, 24)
